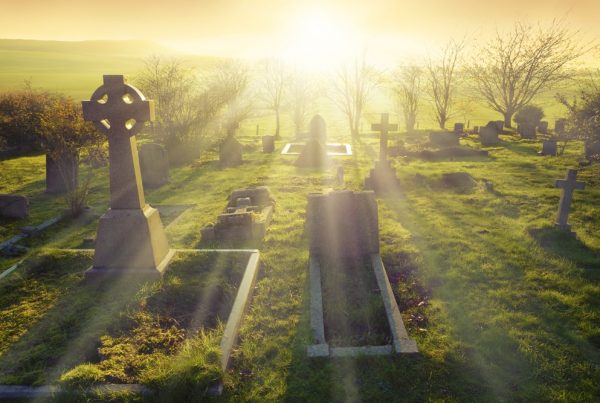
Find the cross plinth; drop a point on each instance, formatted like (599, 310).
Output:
(384, 127)
(568, 186)
(130, 235)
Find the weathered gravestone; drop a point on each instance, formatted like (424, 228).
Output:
(130, 234)
(382, 178)
(559, 126)
(543, 127)
(318, 129)
(592, 148)
(230, 150)
(14, 206)
(246, 217)
(568, 186)
(488, 135)
(268, 144)
(459, 128)
(499, 125)
(314, 153)
(548, 148)
(154, 164)
(62, 175)
(527, 131)
(444, 139)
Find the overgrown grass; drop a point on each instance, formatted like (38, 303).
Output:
(501, 305)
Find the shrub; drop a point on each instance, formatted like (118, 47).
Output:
(529, 115)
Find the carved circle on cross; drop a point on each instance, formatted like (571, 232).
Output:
(118, 108)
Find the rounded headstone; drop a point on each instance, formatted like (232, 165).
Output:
(318, 129)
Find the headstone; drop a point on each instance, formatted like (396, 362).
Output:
(313, 155)
(14, 206)
(475, 129)
(130, 235)
(444, 139)
(559, 126)
(63, 175)
(459, 128)
(154, 164)
(527, 131)
(342, 224)
(268, 144)
(246, 217)
(568, 185)
(499, 125)
(549, 148)
(592, 148)
(543, 127)
(383, 127)
(318, 129)
(488, 135)
(230, 152)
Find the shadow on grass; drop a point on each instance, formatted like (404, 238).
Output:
(561, 244)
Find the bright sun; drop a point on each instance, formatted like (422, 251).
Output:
(318, 41)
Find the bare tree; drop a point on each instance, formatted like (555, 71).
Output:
(407, 87)
(275, 79)
(515, 66)
(353, 85)
(301, 96)
(443, 79)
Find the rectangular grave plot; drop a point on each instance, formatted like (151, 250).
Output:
(353, 310)
(123, 329)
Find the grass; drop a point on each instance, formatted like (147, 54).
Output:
(501, 305)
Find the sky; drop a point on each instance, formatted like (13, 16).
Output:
(307, 28)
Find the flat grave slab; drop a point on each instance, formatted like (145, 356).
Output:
(333, 149)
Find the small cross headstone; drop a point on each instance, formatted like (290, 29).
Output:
(384, 127)
(568, 185)
(130, 235)
(230, 150)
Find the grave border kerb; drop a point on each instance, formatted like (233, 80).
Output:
(401, 341)
(228, 340)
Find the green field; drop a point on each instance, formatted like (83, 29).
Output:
(511, 305)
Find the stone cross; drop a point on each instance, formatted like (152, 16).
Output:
(568, 185)
(120, 110)
(383, 128)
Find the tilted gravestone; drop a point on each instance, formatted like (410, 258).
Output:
(62, 175)
(549, 148)
(382, 178)
(568, 186)
(268, 144)
(444, 139)
(14, 206)
(130, 236)
(543, 127)
(154, 164)
(342, 224)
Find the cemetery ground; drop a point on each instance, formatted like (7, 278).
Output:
(501, 305)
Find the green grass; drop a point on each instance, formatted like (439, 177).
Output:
(501, 305)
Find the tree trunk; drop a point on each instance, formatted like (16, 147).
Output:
(508, 118)
(277, 124)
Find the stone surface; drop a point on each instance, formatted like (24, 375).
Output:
(62, 175)
(384, 127)
(382, 178)
(154, 164)
(443, 139)
(527, 131)
(559, 126)
(14, 206)
(549, 148)
(318, 129)
(313, 155)
(543, 127)
(230, 152)
(568, 185)
(459, 128)
(499, 125)
(268, 144)
(592, 148)
(488, 135)
(130, 235)
(342, 224)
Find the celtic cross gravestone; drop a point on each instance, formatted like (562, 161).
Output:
(567, 185)
(130, 234)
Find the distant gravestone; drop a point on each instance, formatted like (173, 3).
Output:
(499, 125)
(488, 135)
(383, 127)
(527, 131)
(382, 178)
(543, 127)
(459, 128)
(318, 129)
(342, 224)
(444, 139)
(14, 206)
(549, 148)
(559, 126)
(268, 144)
(475, 129)
(592, 148)
(130, 235)
(568, 185)
(230, 152)
(63, 175)
(154, 164)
